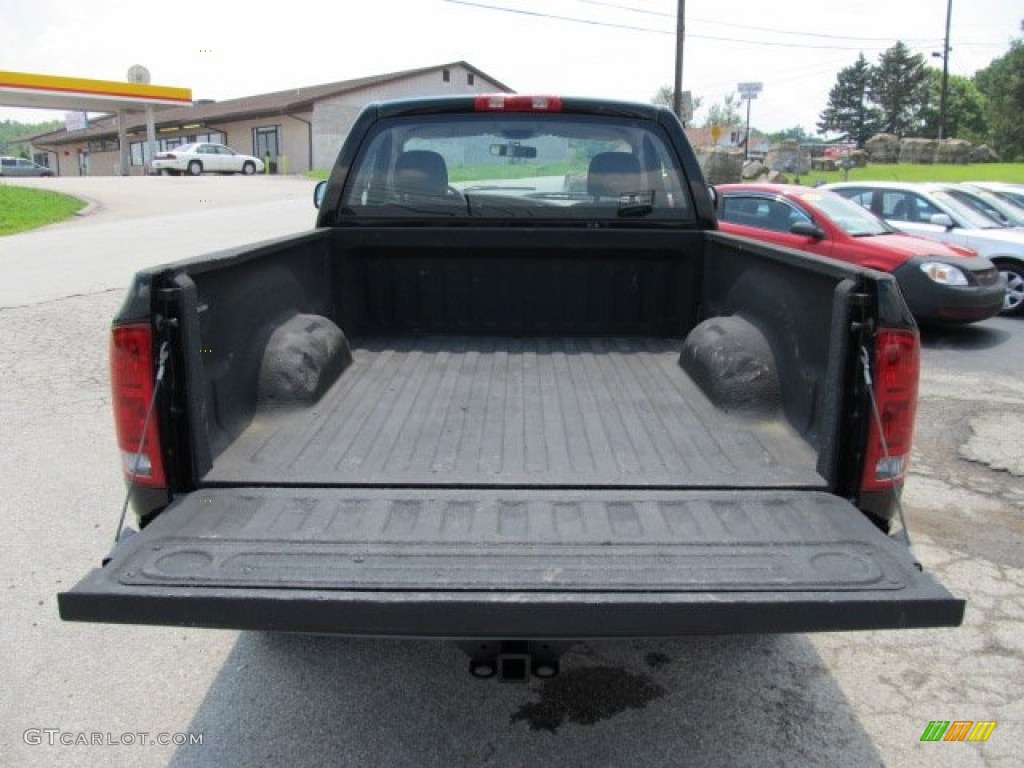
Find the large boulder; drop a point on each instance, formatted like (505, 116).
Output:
(983, 153)
(753, 169)
(953, 152)
(721, 165)
(883, 148)
(920, 151)
(788, 157)
(858, 158)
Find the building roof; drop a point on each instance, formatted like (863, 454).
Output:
(282, 102)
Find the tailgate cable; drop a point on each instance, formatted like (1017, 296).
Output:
(866, 360)
(164, 353)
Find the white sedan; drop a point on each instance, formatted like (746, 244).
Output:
(198, 158)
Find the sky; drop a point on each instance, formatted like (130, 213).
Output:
(622, 49)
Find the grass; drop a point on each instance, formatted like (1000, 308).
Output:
(488, 171)
(1011, 172)
(22, 208)
(492, 171)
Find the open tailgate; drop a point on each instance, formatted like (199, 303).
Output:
(512, 563)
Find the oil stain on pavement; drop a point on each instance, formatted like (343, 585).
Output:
(585, 696)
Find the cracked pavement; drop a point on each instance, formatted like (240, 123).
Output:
(839, 699)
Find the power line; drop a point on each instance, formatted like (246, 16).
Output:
(631, 28)
(753, 28)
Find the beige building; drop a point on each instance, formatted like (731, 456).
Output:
(299, 129)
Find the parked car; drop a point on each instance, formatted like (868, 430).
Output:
(198, 158)
(19, 166)
(1000, 207)
(1013, 193)
(929, 210)
(941, 283)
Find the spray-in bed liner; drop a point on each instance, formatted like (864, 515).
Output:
(522, 412)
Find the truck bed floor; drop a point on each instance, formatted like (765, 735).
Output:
(522, 412)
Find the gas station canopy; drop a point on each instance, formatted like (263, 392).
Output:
(20, 89)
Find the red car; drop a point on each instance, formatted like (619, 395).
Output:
(941, 283)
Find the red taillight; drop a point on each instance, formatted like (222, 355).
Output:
(131, 379)
(504, 102)
(895, 370)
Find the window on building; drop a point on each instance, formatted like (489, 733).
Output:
(470, 79)
(446, 75)
(103, 145)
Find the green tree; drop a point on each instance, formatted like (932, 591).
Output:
(13, 134)
(1002, 82)
(664, 98)
(796, 133)
(966, 108)
(850, 109)
(899, 86)
(725, 113)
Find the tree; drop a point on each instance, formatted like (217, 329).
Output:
(966, 108)
(726, 113)
(664, 98)
(899, 86)
(1002, 82)
(796, 133)
(850, 109)
(13, 135)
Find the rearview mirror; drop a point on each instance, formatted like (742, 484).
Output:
(513, 149)
(941, 220)
(318, 193)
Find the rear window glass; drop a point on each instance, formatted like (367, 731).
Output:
(517, 166)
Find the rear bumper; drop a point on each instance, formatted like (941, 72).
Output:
(476, 564)
(513, 615)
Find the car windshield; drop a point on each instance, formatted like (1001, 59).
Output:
(992, 205)
(509, 165)
(971, 218)
(185, 148)
(850, 217)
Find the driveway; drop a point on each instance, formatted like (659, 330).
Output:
(138, 222)
(87, 695)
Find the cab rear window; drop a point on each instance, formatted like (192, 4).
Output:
(517, 166)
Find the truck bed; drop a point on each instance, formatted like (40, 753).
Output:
(515, 412)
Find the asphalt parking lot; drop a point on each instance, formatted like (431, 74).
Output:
(87, 695)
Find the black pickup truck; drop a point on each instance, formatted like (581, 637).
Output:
(514, 388)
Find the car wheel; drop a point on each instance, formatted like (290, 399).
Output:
(1013, 276)
(249, 168)
(195, 168)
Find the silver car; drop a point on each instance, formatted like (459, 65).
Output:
(19, 166)
(1011, 193)
(931, 211)
(992, 205)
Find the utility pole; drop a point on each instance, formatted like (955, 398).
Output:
(677, 94)
(944, 93)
